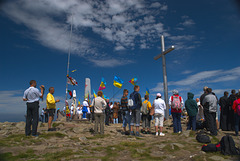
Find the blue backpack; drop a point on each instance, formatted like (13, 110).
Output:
(132, 102)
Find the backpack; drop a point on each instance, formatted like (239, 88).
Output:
(203, 138)
(238, 108)
(132, 101)
(211, 147)
(228, 146)
(144, 109)
(176, 104)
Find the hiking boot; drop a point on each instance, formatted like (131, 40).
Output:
(127, 133)
(138, 134)
(162, 134)
(132, 133)
(156, 133)
(52, 129)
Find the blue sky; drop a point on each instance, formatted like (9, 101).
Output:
(116, 38)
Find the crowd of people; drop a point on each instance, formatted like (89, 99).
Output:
(131, 111)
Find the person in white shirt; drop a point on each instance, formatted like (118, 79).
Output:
(159, 107)
(79, 112)
(99, 105)
(64, 110)
(42, 115)
(84, 109)
(71, 111)
(32, 96)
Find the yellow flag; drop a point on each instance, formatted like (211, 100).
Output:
(117, 84)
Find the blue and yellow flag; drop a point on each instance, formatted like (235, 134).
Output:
(94, 94)
(102, 85)
(133, 81)
(117, 82)
(147, 91)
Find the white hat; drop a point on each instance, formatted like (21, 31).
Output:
(85, 99)
(159, 95)
(175, 92)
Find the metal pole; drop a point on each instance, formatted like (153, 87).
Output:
(69, 52)
(165, 79)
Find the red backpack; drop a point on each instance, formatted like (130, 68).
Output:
(238, 108)
(176, 102)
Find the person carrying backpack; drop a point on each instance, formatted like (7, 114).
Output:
(146, 118)
(135, 103)
(159, 107)
(236, 108)
(176, 103)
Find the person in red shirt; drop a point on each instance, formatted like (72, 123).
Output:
(176, 103)
(236, 116)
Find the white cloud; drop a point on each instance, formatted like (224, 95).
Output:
(110, 62)
(187, 72)
(196, 78)
(11, 102)
(205, 77)
(187, 21)
(123, 22)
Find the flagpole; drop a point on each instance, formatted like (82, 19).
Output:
(69, 52)
(117, 92)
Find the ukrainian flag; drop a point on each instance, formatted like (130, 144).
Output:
(117, 82)
(147, 91)
(94, 94)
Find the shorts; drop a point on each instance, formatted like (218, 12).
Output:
(51, 112)
(159, 119)
(135, 117)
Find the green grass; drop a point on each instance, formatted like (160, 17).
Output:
(56, 124)
(52, 134)
(215, 140)
(13, 140)
(168, 148)
(97, 137)
(65, 154)
(192, 133)
(29, 154)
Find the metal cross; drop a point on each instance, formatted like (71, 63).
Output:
(164, 73)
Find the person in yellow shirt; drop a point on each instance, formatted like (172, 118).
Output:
(68, 115)
(146, 117)
(51, 107)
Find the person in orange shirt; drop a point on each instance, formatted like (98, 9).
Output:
(236, 103)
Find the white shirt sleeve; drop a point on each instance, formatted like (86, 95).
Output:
(170, 101)
(25, 94)
(164, 105)
(182, 101)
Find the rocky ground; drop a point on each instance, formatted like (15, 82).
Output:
(74, 141)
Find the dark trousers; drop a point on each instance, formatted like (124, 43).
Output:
(210, 118)
(237, 120)
(177, 127)
(107, 118)
(32, 118)
(42, 116)
(192, 123)
(46, 117)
